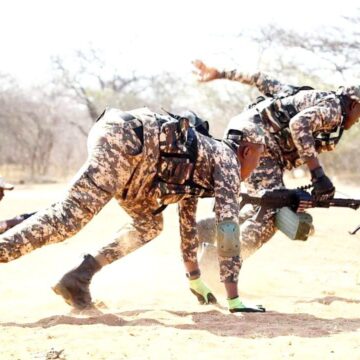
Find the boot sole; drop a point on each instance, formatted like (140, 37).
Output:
(64, 293)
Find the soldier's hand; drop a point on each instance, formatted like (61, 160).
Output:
(323, 187)
(202, 292)
(205, 73)
(236, 305)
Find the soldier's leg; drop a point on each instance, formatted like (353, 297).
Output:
(253, 234)
(268, 175)
(229, 274)
(111, 158)
(145, 226)
(74, 286)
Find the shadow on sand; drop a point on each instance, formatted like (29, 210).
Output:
(264, 325)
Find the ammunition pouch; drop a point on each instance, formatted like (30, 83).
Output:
(175, 170)
(178, 152)
(228, 238)
(296, 226)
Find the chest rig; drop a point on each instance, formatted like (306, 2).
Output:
(278, 110)
(178, 154)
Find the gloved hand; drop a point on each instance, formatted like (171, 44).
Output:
(323, 187)
(236, 305)
(202, 292)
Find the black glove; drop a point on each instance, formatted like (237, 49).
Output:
(323, 187)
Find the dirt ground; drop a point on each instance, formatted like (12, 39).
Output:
(311, 291)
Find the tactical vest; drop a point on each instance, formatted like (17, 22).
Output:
(278, 110)
(178, 154)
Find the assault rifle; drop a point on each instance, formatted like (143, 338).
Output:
(295, 225)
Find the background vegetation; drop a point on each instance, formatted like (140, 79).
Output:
(44, 129)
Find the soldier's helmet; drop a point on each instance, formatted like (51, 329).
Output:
(4, 185)
(242, 130)
(353, 92)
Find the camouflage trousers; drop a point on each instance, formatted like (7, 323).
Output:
(253, 234)
(114, 152)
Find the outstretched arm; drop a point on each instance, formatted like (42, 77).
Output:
(189, 247)
(188, 233)
(263, 82)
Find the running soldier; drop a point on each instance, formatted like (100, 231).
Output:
(147, 161)
(299, 123)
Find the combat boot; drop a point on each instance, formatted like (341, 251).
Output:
(74, 285)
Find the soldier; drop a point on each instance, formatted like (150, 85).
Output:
(299, 123)
(146, 161)
(9, 223)
(4, 186)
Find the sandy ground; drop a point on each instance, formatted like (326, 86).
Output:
(311, 290)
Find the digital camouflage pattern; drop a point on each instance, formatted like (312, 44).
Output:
(120, 166)
(317, 111)
(352, 91)
(250, 131)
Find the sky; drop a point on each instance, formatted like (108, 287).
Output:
(154, 35)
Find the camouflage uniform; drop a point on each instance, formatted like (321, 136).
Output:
(132, 169)
(316, 112)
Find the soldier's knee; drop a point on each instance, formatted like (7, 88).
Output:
(255, 234)
(227, 236)
(152, 229)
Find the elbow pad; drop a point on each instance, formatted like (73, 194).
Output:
(228, 238)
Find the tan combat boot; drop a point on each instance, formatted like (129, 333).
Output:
(74, 285)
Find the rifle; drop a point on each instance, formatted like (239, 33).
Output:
(295, 225)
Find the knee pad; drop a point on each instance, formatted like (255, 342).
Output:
(228, 238)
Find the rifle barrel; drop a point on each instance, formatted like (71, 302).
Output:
(350, 203)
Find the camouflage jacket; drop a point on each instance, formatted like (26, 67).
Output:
(215, 173)
(132, 160)
(316, 113)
